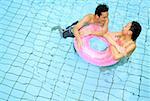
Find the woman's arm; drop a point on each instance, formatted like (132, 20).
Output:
(114, 43)
(110, 39)
(117, 55)
(130, 48)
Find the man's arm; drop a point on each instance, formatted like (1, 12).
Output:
(98, 33)
(105, 27)
(104, 30)
(78, 26)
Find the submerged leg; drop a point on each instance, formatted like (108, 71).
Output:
(68, 33)
(61, 30)
(72, 24)
(56, 28)
(65, 32)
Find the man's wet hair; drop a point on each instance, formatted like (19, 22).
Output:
(101, 8)
(136, 29)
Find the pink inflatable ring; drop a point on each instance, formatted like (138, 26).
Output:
(99, 57)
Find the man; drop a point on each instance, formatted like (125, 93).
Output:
(100, 17)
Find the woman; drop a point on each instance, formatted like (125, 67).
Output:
(123, 43)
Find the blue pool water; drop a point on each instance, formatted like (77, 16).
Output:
(36, 64)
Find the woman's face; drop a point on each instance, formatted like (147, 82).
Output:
(126, 29)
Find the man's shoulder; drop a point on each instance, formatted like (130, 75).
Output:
(89, 15)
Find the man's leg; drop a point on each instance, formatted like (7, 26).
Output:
(68, 33)
(72, 24)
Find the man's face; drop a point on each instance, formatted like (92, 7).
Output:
(103, 17)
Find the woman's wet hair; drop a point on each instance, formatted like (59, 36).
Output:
(136, 29)
(101, 8)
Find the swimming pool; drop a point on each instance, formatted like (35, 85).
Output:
(38, 65)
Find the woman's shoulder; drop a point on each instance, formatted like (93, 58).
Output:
(132, 42)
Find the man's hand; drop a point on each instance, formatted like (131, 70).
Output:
(79, 43)
(107, 21)
(105, 27)
(98, 33)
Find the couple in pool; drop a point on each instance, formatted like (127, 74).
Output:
(123, 43)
